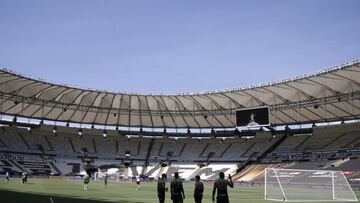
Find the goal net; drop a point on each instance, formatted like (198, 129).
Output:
(99, 176)
(307, 185)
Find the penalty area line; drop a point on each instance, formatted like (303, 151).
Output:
(144, 198)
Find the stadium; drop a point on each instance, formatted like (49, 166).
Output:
(57, 133)
(268, 109)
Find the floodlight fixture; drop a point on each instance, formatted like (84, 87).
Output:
(54, 129)
(80, 132)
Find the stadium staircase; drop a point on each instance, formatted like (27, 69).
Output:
(117, 147)
(352, 142)
(143, 170)
(148, 153)
(203, 151)
(53, 166)
(48, 142)
(182, 149)
(333, 141)
(209, 156)
(161, 171)
(253, 172)
(126, 173)
(196, 171)
(6, 166)
(152, 170)
(240, 171)
(336, 163)
(94, 145)
(226, 149)
(160, 149)
(21, 168)
(246, 165)
(302, 143)
(273, 146)
(24, 141)
(247, 150)
(138, 149)
(2, 143)
(72, 144)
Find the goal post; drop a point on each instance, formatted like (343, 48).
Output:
(306, 185)
(342, 189)
(114, 177)
(273, 186)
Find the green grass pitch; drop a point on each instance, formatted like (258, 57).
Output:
(65, 191)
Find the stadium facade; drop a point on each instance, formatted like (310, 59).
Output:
(55, 129)
(334, 91)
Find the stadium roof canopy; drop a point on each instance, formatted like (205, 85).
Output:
(330, 95)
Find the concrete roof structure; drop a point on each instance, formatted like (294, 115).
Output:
(330, 95)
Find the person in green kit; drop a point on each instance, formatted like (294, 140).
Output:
(161, 188)
(177, 190)
(221, 186)
(199, 189)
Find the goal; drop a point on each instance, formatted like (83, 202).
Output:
(307, 185)
(115, 177)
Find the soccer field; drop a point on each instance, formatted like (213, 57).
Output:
(64, 191)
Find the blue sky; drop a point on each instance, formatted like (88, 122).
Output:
(176, 46)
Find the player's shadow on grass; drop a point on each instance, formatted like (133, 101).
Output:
(21, 197)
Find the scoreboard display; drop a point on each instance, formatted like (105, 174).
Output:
(253, 117)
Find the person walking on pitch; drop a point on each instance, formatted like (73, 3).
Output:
(24, 177)
(161, 188)
(199, 189)
(177, 190)
(105, 179)
(7, 176)
(86, 181)
(138, 181)
(220, 185)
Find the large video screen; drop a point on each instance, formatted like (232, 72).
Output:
(253, 117)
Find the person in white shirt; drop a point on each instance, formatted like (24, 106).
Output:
(7, 176)
(138, 181)
(24, 177)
